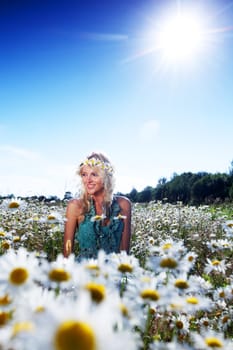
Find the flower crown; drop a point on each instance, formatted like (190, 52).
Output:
(94, 162)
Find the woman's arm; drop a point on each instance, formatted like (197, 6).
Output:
(125, 206)
(70, 226)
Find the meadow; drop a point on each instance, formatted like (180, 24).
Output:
(174, 290)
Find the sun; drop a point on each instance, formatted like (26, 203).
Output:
(175, 37)
(180, 37)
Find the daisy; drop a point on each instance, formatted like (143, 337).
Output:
(180, 323)
(34, 302)
(5, 336)
(229, 291)
(228, 228)
(59, 274)
(167, 263)
(225, 321)
(34, 218)
(174, 345)
(13, 204)
(119, 217)
(18, 270)
(5, 244)
(98, 217)
(170, 246)
(194, 303)
(188, 261)
(220, 294)
(181, 283)
(52, 218)
(211, 340)
(220, 244)
(2, 233)
(6, 301)
(79, 326)
(199, 285)
(123, 263)
(150, 290)
(19, 332)
(205, 323)
(215, 266)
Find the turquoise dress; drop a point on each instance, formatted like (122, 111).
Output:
(92, 236)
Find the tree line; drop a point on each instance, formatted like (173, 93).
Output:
(189, 188)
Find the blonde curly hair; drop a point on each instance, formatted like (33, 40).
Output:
(106, 171)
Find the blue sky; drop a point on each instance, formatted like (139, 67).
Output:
(82, 76)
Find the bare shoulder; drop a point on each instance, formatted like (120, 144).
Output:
(74, 202)
(123, 202)
(74, 206)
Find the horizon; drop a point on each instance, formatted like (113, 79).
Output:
(73, 192)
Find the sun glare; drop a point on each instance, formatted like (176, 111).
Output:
(180, 37)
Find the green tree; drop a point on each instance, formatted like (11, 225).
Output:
(146, 195)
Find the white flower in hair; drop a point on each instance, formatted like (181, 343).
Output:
(94, 162)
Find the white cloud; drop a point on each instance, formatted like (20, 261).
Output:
(149, 130)
(27, 185)
(105, 37)
(18, 152)
(25, 172)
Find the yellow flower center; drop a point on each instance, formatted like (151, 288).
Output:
(125, 268)
(182, 284)
(222, 294)
(98, 217)
(145, 279)
(22, 327)
(190, 258)
(39, 309)
(13, 205)
(168, 263)
(167, 246)
(97, 291)
(124, 310)
(213, 342)
(192, 300)
(225, 319)
(92, 267)
(76, 335)
(51, 217)
(152, 311)
(4, 317)
(215, 262)
(5, 245)
(2, 234)
(5, 300)
(59, 275)
(179, 324)
(175, 306)
(150, 294)
(16, 239)
(18, 276)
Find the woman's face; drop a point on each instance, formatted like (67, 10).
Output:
(92, 180)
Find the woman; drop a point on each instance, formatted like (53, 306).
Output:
(97, 220)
